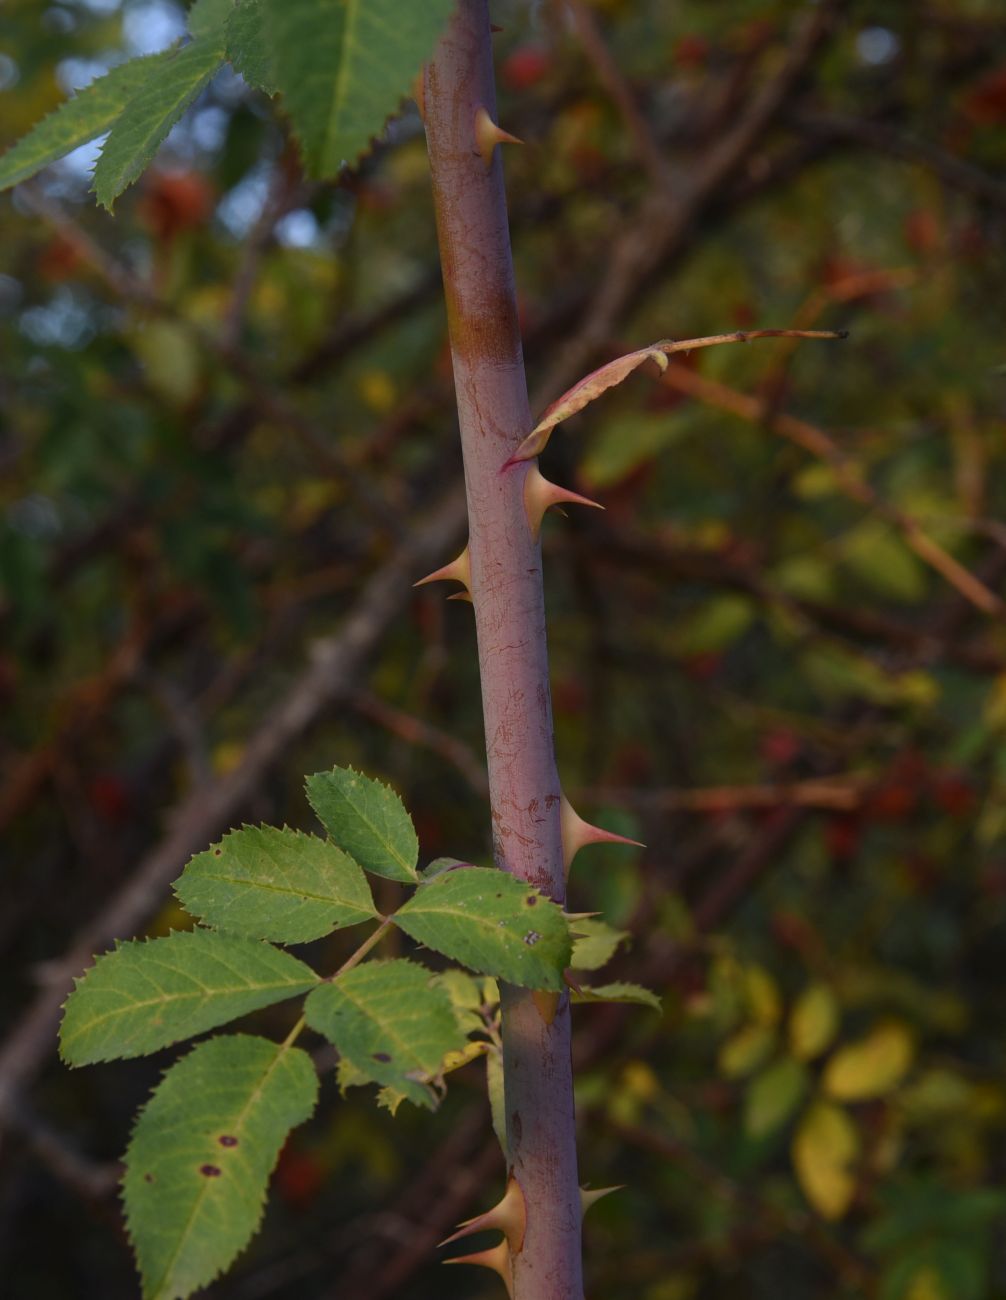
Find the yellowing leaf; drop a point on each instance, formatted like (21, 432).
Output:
(824, 1150)
(762, 995)
(744, 1051)
(471, 1052)
(813, 1022)
(594, 943)
(619, 991)
(171, 360)
(871, 1067)
(497, 1101)
(377, 389)
(927, 1285)
(639, 1080)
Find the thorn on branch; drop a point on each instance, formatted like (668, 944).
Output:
(488, 135)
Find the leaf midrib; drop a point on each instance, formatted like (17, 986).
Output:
(489, 924)
(339, 91)
(381, 837)
(306, 895)
(203, 992)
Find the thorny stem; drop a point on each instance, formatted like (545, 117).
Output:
(506, 587)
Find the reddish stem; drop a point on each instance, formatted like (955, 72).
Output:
(506, 585)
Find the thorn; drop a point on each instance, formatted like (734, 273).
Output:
(589, 1198)
(462, 595)
(497, 1258)
(488, 135)
(459, 570)
(576, 833)
(540, 495)
(495, 27)
(547, 1004)
(507, 1216)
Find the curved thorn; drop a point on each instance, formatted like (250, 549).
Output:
(589, 1198)
(497, 1258)
(508, 1216)
(576, 834)
(459, 570)
(540, 495)
(488, 135)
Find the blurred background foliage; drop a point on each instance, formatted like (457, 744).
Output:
(779, 655)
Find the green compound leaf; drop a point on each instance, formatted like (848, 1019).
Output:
(201, 1154)
(618, 992)
(147, 994)
(248, 47)
(367, 820)
(594, 943)
(492, 923)
(90, 113)
(342, 66)
(207, 18)
(275, 884)
(392, 1022)
(152, 111)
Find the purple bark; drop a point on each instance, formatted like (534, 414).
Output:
(506, 585)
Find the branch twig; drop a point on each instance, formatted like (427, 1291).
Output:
(847, 475)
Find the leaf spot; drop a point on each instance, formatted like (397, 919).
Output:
(209, 1171)
(217, 853)
(227, 1140)
(383, 1057)
(148, 1178)
(531, 900)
